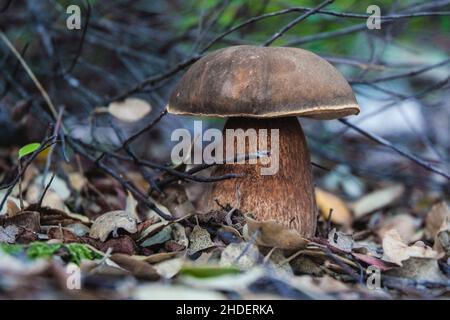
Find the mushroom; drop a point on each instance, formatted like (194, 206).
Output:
(266, 87)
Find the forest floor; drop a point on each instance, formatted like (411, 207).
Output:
(86, 237)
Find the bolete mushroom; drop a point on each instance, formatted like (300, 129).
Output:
(266, 87)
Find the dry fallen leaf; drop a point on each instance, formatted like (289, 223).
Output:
(176, 201)
(405, 225)
(438, 214)
(327, 201)
(12, 207)
(131, 206)
(376, 200)
(341, 240)
(137, 267)
(8, 234)
(318, 287)
(273, 234)
(421, 269)
(442, 239)
(199, 239)
(160, 257)
(28, 220)
(396, 251)
(242, 255)
(179, 235)
(77, 181)
(437, 227)
(169, 268)
(111, 222)
(59, 186)
(130, 110)
(51, 199)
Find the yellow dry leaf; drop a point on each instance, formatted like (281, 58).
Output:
(327, 201)
(77, 181)
(376, 200)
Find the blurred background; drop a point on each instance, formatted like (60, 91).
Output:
(399, 73)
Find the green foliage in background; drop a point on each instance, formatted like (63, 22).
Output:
(194, 17)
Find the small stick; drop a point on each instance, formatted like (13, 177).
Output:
(46, 189)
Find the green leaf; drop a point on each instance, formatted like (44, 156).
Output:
(80, 252)
(208, 271)
(42, 250)
(29, 148)
(11, 248)
(76, 251)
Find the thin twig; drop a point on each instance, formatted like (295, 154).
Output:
(400, 151)
(294, 22)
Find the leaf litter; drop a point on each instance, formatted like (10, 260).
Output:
(90, 221)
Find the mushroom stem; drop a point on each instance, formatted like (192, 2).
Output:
(288, 195)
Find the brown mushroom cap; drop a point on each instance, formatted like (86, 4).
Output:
(263, 82)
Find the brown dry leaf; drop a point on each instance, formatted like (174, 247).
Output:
(111, 222)
(273, 234)
(376, 200)
(327, 201)
(137, 267)
(28, 220)
(405, 225)
(176, 201)
(396, 251)
(54, 217)
(130, 110)
(437, 227)
(106, 268)
(152, 229)
(64, 234)
(160, 257)
(306, 265)
(199, 239)
(122, 244)
(12, 207)
(436, 217)
(421, 269)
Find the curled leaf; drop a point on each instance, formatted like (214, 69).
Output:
(273, 234)
(327, 201)
(111, 222)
